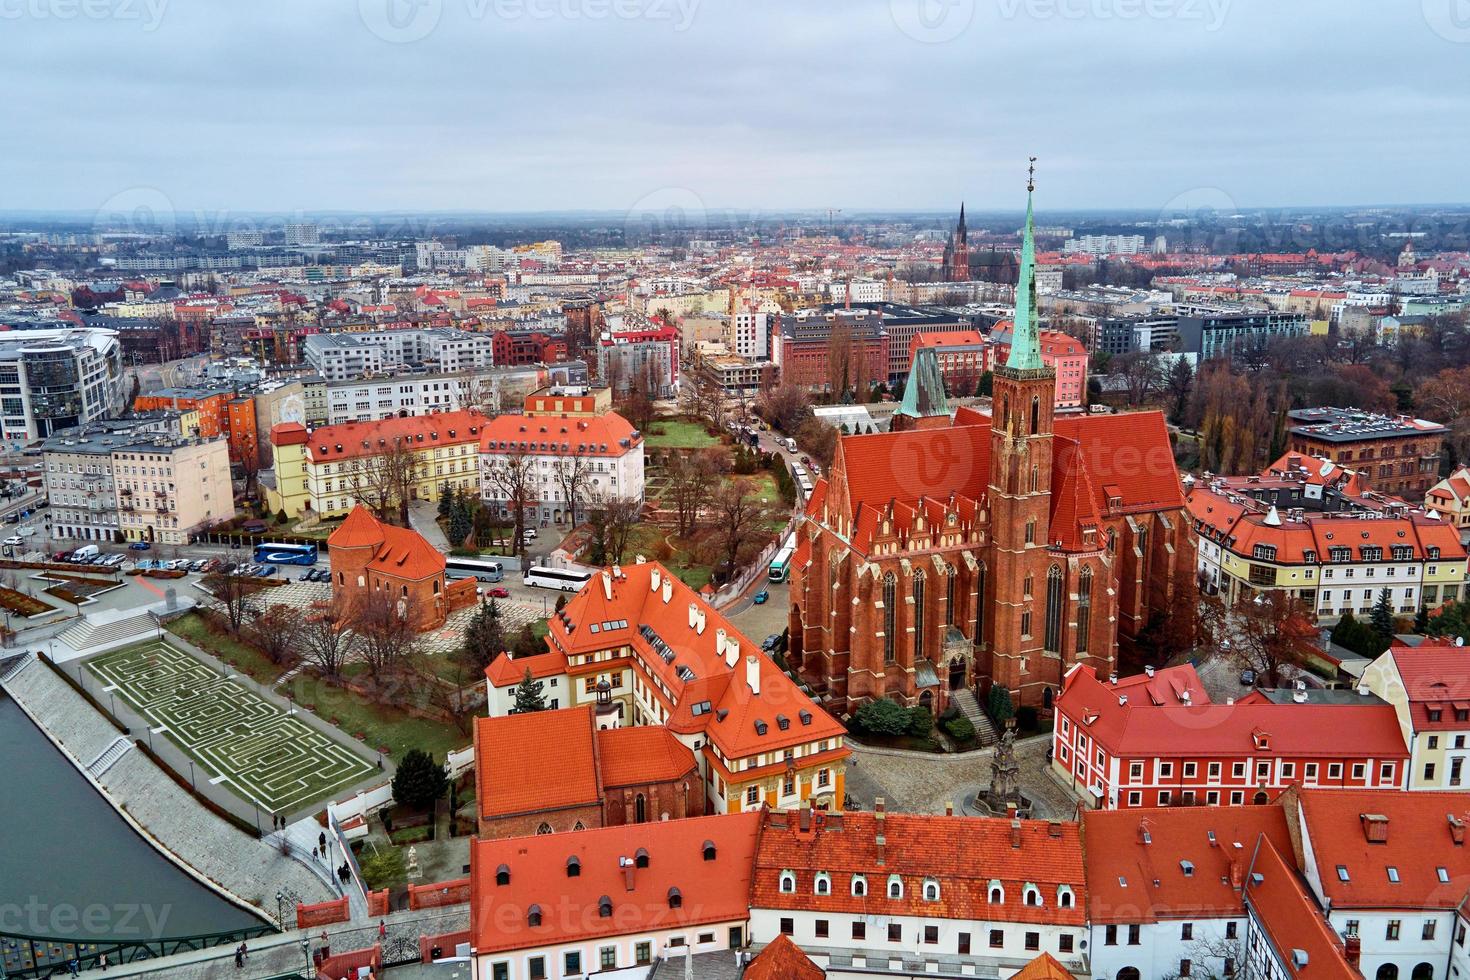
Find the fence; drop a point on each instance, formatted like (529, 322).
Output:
(758, 568)
(37, 956)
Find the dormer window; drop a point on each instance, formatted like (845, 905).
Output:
(822, 884)
(604, 907)
(895, 886)
(574, 867)
(1032, 896)
(640, 860)
(997, 893)
(788, 883)
(859, 886)
(709, 850)
(676, 898)
(931, 891)
(533, 916)
(502, 875)
(1064, 896)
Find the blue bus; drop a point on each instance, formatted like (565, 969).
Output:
(286, 554)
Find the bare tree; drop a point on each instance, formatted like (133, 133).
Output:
(274, 632)
(691, 476)
(612, 520)
(637, 403)
(386, 638)
(738, 516)
(327, 642)
(704, 399)
(1212, 957)
(1268, 632)
(1142, 372)
(785, 405)
(572, 474)
(510, 476)
(384, 480)
(234, 594)
(477, 391)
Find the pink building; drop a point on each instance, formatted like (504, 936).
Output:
(1063, 353)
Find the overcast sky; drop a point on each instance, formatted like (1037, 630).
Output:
(759, 104)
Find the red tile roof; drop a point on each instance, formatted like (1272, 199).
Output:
(645, 754)
(373, 438)
(513, 777)
(1417, 831)
(399, 552)
(508, 671)
(601, 435)
(1136, 860)
(965, 855)
(711, 891)
(1292, 920)
(1044, 967)
(783, 960)
(1141, 729)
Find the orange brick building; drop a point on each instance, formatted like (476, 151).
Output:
(603, 777)
(221, 413)
(376, 562)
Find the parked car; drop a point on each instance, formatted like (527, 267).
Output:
(59, 555)
(144, 564)
(761, 597)
(500, 592)
(769, 643)
(13, 539)
(1247, 678)
(323, 574)
(529, 534)
(115, 560)
(12, 518)
(307, 576)
(99, 559)
(212, 565)
(139, 546)
(197, 565)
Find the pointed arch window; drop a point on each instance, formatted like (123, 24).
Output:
(1084, 608)
(1035, 414)
(890, 600)
(1035, 478)
(1053, 637)
(950, 580)
(980, 603)
(918, 615)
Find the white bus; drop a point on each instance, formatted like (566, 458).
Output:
(563, 579)
(475, 568)
(780, 569)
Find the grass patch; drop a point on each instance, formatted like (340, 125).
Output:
(378, 724)
(250, 661)
(679, 434)
(409, 835)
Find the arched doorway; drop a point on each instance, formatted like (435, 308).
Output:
(956, 674)
(1424, 971)
(1388, 971)
(1046, 698)
(1261, 799)
(1129, 973)
(926, 701)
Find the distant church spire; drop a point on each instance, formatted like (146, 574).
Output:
(1025, 352)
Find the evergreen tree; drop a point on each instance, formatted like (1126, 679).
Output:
(1383, 615)
(528, 694)
(446, 498)
(484, 636)
(1421, 620)
(460, 523)
(419, 781)
(998, 704)
(527, 645)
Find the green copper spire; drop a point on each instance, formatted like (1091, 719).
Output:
(1025, 352)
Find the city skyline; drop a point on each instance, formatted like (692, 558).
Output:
(524, 106)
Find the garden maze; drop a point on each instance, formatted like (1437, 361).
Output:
(243, 740)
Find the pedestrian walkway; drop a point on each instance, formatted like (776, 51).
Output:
(422, 517)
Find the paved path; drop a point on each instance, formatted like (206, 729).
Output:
(920, 782)
(422, 517)
(272, 956)
(247, 868)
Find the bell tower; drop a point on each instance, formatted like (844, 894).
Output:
(1023, 399)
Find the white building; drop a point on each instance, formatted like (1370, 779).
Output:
(1105, 245)
(345, 356)
(58, 378)
(561, 458)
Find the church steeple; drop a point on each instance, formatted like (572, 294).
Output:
(961, 234)
(1025, 352)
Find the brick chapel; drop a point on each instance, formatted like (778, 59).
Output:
(971, 550)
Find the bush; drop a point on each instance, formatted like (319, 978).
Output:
(419, 781)
(882, 716)
(959, 728)
(921, 721)
(1026, 718)
(998, 703)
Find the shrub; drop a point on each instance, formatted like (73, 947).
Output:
(921, 721)
(882, 716)
(959, 728)
(998, 703)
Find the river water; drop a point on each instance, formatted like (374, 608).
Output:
(71, 867)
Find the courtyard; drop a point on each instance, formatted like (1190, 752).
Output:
(261, 752)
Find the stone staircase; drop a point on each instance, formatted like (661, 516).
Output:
(11, 666)
(116, 750)
(985, 731)
(92, 635)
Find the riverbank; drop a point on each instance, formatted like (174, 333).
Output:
(245, 870)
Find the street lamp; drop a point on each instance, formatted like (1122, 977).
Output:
(280, 913)
(306, 954)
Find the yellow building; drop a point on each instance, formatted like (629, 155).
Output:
(1425, 684)
(331, 469)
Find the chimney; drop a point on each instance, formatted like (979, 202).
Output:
(1149, 671)
(1375, 827)
(753, 674)
(1352, 950)
(732, 652)
(607, 586)
(617, 571)
(949, 808)
(1457, 830)
(804, 817)
(629, 869)
(653, 581)
(699, 622)
(668, 591)
(1237, 874)
(720, 641)
(1016, 833)
(693, 615)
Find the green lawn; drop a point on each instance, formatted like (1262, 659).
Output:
(245, 657)
(679, 434)
(380, 724)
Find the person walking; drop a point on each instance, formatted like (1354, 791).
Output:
(102, 962)
(239, 957)
(322, 840)
(74, 966)
(382, 930)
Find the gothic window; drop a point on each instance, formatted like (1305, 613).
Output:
(1053, 639)
(949, 589)
(1005, 411)
(1035, 414)
(1084, 608)
(1026, 585)
(890, 600)
(1035, 478)
(918, 615)
(1112, 540)
(1030, 532)
(980, 603)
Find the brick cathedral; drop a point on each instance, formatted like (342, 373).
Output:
(967, 550)
(956, 263)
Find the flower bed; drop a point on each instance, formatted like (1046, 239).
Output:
(22, 604)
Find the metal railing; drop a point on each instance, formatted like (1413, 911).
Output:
(41, 956)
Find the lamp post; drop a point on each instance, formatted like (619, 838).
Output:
(280, 913)
(306, 954)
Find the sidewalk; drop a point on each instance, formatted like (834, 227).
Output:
(422, 515)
